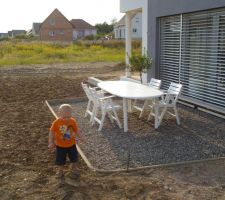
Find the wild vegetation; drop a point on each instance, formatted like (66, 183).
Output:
(22, 53)
(48, 53)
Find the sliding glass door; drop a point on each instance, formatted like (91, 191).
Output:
(199, 57)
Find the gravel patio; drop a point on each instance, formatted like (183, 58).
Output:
(200, 136)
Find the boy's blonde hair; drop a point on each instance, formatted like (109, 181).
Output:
(65, 107)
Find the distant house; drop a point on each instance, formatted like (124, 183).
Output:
(14, 33)
(34, 31)
(119, 29)
(35, 28)
(136, 27)
(56, 27)
(82, 29)
(4, 35)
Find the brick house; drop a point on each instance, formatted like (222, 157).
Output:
(56, 27)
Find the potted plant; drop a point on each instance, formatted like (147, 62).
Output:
(141, 64)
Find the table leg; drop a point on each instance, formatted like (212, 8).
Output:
(129, 105)
(156, 113)
(125, 124)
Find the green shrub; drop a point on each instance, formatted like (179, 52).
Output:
(98, 36)
(22, 36)
(90, 37)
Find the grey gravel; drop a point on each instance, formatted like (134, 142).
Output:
(200, 136)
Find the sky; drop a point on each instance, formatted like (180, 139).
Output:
(20, 14)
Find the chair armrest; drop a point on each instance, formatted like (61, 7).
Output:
(107, 97)
(164, 91)
(171, 93)
(101, 92)
(96, 88)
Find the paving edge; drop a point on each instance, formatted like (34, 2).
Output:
(90, 166)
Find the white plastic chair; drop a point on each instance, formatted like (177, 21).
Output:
(90, 101)
(90, 105)
(154, 83)
(106, 106)
(169, 100)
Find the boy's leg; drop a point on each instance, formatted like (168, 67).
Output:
(74, 169)
(60, 161)
(60, 172)
(72, 153)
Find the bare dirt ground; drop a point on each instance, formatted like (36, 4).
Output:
(26, 167)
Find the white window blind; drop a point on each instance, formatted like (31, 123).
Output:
(197, 56)
(169, 50)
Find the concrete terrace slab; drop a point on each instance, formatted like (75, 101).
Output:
(200, 136)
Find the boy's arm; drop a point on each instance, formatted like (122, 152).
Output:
(77, 132)
(80, 137)
(51, 144)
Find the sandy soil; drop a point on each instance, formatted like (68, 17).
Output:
(26, 166)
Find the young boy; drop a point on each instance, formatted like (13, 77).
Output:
(62, 136)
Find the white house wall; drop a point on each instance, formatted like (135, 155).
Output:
(90, 32)
(134, 6)
(83, 33)
(75, 35)
(119, 32)
(137, 25)
(128, 5)
(136, 28)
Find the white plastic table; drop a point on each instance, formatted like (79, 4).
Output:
(130, 90)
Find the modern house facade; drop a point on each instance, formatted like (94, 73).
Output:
(56, 27)
(186, 40)
(136, 26)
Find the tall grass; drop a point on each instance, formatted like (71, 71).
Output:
(23, 53)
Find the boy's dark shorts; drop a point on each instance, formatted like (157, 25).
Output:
(61, 154)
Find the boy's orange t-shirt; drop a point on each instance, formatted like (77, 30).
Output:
(64, 131)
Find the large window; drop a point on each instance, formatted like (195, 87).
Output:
(170, 50)
(192, 52)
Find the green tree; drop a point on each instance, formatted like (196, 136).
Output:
(104, 28)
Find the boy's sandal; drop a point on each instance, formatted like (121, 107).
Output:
(61, 177)
(75, 174)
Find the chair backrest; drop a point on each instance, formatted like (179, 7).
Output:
(174, 88)
(173, 93)
(87, 91)
(96, 96)
(155, 83)
(93, 81)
